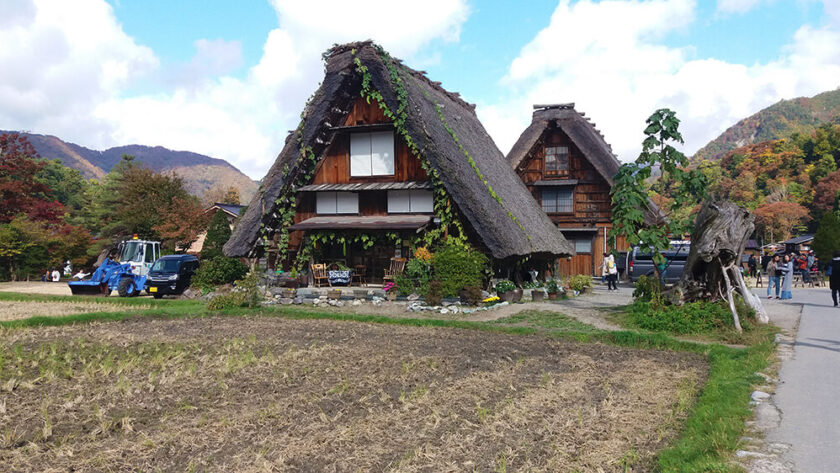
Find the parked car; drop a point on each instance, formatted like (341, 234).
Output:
(171, 274)
(640, 262)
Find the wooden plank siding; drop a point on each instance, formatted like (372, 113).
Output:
(334, 168)
(591, 196)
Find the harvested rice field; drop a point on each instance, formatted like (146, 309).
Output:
(17, 310)
(272, 394)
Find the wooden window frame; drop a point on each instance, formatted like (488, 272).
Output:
(557, 172)
(558, 189)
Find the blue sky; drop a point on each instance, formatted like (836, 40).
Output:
(229, 78)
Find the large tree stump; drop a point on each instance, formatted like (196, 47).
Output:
(712, 271)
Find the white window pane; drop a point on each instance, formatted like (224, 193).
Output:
(346, 203)
(325, 203)
(382, 153)
(360, 154)
(583, 245)
(422, 201)
(398, 202)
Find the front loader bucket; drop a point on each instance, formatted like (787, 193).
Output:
(89, 288)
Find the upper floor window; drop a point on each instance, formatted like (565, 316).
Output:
(336, 203)
(410, 201)
(558, 200)
(372, 154)
(557, 160)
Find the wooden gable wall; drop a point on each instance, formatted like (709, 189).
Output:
(335, 167)
(592, 202)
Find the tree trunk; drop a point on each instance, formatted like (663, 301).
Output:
(712, 271)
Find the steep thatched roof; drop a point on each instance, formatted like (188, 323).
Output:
(488, 220)
(583, 134)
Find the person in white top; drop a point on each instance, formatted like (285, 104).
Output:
(611, 271)
(56, 276)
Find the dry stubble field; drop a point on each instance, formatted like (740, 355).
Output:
(272, 394)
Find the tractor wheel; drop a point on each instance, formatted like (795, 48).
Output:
(127, 288)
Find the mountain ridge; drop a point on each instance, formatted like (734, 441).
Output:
(780, 120)
(199, 172)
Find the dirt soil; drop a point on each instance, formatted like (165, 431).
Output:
(15, 310)
(272, 394)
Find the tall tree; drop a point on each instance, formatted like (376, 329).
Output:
(222, 195)
(20, 190)
(182, 224)
(779, 220)
(630, 194)
(827, 237)
(218, 233)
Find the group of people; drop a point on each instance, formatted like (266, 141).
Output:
(780, 272)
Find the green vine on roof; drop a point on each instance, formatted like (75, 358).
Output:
(442, 202)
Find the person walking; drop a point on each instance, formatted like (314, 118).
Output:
(752, 264)
(773, 273)
(612, 273)
(833, 273)
(787, 277)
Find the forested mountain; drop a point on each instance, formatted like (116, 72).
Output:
(198, 171)
(781, 120)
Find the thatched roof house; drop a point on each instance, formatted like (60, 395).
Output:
(568, 168)
(432, 126)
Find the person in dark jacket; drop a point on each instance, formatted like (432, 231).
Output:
(833, 272)
(752, 264)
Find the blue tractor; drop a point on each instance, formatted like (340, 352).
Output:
(127, 275)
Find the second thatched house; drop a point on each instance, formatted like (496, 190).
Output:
(568, 167)
(385, 159)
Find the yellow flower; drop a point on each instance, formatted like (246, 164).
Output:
(423, 253)
(491, 299)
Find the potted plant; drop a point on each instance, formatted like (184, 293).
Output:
(334, 294)
(552, 289)
(288, 293)
(506, 290)
(390, 290)
(537, 295)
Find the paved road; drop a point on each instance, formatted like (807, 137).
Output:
(808, 394)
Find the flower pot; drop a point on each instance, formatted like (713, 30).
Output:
(391, 296)
(288, 293)
(360, 293)
(517, 295)
(552, 296)
(334, 295)
(537, 296)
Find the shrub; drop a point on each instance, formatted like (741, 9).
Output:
(457, 267)
(504, 286)
(471, 295)
(647, 289)
(434, 296)
(580, 281)
(405, 285)
(248, 287)
(230, 300)
(690, 318)
(552, 287)
(218, 271)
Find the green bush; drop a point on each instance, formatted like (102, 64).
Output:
(552, 287)
(647, 289)
(457, 267)
(580, 281)
(230, 300)
(218, 271)
(504, 286)
(690, 318)
(434, 296)
(405, 285)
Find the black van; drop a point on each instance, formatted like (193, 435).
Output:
(640, 262)
(171, 274)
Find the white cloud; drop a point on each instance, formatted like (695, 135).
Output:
(246, 120)
(58, 58)
(736, 6)
(72, 63)
(621, 72)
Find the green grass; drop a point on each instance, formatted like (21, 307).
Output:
(546, 320)
(711, 433)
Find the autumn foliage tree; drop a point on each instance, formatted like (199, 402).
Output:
(778, 220)
(20, 190)
(184, 221)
